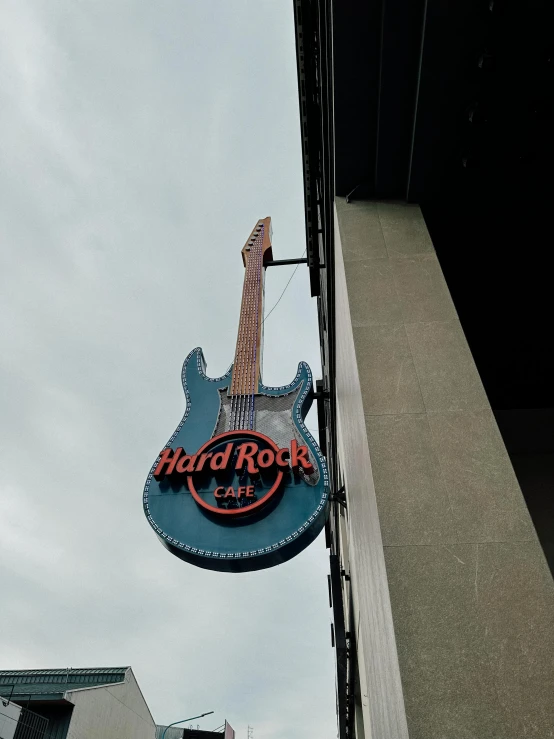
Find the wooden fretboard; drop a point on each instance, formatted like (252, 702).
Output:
(247, 364)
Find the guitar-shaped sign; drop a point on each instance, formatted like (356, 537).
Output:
(241, 484)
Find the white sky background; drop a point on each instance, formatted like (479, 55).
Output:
(139, 143)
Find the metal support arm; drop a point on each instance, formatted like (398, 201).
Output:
(280, 262)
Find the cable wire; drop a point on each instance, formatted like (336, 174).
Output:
(285, 289)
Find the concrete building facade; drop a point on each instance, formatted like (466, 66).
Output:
(116, 710)
(103, 703)
(435, 515)
(437, 381)
(9, 718)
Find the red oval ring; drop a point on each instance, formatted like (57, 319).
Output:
(247, 509)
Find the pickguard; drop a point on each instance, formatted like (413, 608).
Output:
(273, 417)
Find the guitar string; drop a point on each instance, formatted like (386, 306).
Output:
(244, 388)
(244, 336)
(242, 406)
(256, 329)
(240, 368)
(247, 336)
(240, 402)
(239, 362)
(255, 326)
(251, 331)
(250, 369)
(243, 367)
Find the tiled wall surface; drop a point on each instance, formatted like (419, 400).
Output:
(472, 597)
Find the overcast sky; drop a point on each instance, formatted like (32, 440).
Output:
(139, 143)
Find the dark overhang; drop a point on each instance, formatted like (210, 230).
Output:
(429, 95)
(449, 105)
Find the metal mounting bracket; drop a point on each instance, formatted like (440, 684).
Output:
(280, 262)
(339, 497)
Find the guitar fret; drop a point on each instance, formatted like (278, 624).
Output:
(246, 368)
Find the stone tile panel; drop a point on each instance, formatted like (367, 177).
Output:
(360, 231)
(487, 504)
(387, 374)
(404, 230)
(372, 293)
(422, 290)
(514, 593)
(448, 684)
(447, 374)
(413, 503)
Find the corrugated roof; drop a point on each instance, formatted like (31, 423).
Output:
(52, 683)
(71, 670)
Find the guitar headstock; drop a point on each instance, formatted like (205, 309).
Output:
(264, 224)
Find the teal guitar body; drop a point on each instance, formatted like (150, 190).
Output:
(240, 513)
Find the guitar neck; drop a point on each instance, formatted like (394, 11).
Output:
(248, 352)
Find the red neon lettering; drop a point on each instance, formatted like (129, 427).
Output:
(218, 494)
(250, 491)
(203, 458)
(241, 492)
(266, 458)
(299, 457)
(246, 454)
(229, 493)
(282, 457)
(168, 458)
(186, 464)
(220, 460)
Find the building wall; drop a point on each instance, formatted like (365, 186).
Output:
(116, 711)
(174, 732)
(472, 598)
(9, 717)
(379, 701)
(58, 716)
